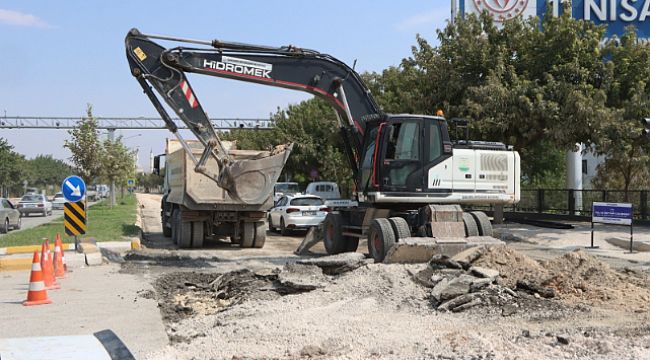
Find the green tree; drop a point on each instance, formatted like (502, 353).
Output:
(118, 163)
(86, 147)
(44, 171)
(12, 169)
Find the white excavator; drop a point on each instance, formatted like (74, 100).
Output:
(411, 178)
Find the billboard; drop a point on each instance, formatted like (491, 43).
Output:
(616, 15)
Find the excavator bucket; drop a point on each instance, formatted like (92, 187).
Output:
(252, 175)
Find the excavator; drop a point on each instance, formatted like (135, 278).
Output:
(411, 179)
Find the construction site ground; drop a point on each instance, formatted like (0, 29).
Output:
(223, 302)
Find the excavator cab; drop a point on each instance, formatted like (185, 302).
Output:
(400, 150)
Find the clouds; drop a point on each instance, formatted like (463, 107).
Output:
(16, 18)
(431, 19)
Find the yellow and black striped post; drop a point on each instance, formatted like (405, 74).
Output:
(74, 218)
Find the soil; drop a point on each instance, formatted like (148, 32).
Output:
(236, 305)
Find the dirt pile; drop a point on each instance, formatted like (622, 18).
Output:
(576, 277)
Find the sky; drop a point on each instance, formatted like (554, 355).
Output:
(58, 56)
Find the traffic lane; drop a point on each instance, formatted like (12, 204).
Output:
(34, 220)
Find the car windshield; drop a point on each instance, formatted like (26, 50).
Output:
(31, 198)
(287, 188)
(307, 202)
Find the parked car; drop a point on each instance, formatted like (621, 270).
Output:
(91, 193)
(35, 204)
(285, 188)
(329, 191)
(293, 212)
(103, 191)
(58, 201)
(9, 216)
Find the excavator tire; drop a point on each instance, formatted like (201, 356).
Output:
(400, 228)
(380, 239)
(471, 228)
(332, 234)
(247, 235)
(197, 234)
(260, 234)
(484, 224)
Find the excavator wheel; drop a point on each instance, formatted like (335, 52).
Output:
(332, 234)
(471, 228)
(484, 224)
(197, 234)
(380, 239)
(400, 228)
(260, 234)
(247, 235)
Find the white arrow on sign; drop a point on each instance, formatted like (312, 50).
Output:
(76, 191)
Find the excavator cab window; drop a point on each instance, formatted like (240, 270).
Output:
(401, 158)
(367, 164)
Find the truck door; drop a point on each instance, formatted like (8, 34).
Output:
(400, 163)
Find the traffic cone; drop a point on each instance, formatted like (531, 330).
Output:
(47, 268)
(37, 294)
(58, 261)
(60, 242)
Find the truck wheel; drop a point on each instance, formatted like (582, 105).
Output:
(174, 226)
(380, 239)
(283, 229)
(167, 231)
(484, 224)
(333, 234)
(183, 232)
(400, 228)
(471, 228)
(197, 234)
(260, 234)
(247, 235)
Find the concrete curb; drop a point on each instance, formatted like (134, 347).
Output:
(15, 264)
(26, 249)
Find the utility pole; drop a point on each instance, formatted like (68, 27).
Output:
(111, 137)
(454, 10)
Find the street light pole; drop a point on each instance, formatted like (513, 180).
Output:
(111, 137)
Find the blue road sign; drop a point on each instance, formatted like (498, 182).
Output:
(73, 188)
(612, 213)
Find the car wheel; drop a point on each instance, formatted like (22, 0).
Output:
(5, 228)
(19, 223)
(283, 229)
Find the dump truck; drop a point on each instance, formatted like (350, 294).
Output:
(194, 207)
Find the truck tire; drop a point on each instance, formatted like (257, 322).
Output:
(174, 226)
(332, 234)
(400, 228)
(471, 228)
(197, 234)
(484, 224)
(167, 231)
(380, 239)
(247, 235)
(260, 234)
(183, 232)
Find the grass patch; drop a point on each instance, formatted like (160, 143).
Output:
(104, 224)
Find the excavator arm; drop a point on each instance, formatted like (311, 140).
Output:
(287, 67)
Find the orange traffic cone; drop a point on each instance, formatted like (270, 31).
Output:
(46, 266)
(37, 295)
(65, 265)
(58, 260)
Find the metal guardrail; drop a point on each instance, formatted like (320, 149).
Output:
(135, 123)
(576, 203)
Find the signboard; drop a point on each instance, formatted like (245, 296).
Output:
(130, 183)
(74, 218)
(616, 15)
(73, 188)
(612, 213)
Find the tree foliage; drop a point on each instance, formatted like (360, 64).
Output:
(12, 169)
(118, 162)
(86, 147)
(44, 170)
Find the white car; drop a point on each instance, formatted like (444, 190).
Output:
(30, 204)
(294, 212)
(58, 201)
